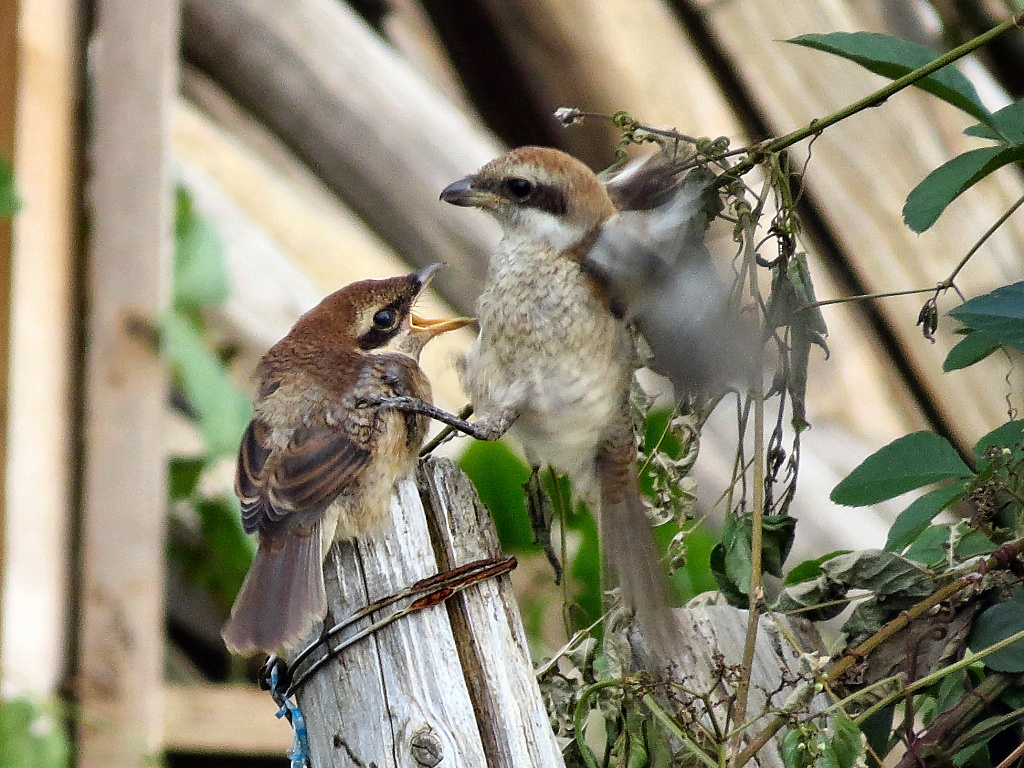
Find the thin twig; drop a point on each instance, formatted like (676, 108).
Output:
(758, 153)
(942, 285)
(757, 506)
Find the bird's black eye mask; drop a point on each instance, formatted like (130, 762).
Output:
(387, 321)
(528, 194)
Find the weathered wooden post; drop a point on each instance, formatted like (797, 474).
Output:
(449, 685)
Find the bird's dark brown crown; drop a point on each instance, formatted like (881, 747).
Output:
(365, 315)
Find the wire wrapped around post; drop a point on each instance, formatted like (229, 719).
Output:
(439, 673)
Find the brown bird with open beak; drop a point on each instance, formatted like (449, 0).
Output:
(554, 359)
(315, 464)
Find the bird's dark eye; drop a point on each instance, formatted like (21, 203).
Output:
(521, 188)
(385, 319)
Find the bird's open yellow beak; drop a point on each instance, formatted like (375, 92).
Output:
(420, 324)
(464, 193)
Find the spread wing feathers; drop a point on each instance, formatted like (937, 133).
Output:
(282, 596)
(646, 182)
(295, 484)
(629, 549)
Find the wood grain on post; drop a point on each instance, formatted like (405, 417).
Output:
(133, 68)
(450, 685)
(345, 102)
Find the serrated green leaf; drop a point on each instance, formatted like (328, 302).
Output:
(893, 58)
(1000, 314)
(846, 741)
(993, 625)
(794, 754)
(938, 189)
(972, 348)
(909, 462)
(919, 515)
(9, 202)
(222, 408)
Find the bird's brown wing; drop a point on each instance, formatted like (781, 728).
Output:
(294, 485)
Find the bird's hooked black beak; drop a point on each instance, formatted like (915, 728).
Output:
(464, 192)
(425, 275)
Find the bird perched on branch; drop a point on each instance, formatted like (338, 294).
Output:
(555, 358)
(314, 464)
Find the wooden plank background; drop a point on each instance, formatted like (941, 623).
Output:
(133, 73)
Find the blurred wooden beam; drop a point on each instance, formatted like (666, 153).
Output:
(8, 90)
(223, 719)
(598, 55)
(346, 103)
(133, 73)
(40, 399)
(860, 188)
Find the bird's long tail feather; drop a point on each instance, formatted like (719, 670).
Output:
(629, 549)
(282, 597)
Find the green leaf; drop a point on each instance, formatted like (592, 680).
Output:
(1007, 125)
(893, 58)
(982, 131)
(31, 738)
(972, 544)
(731, 559)
(498, 476)
(231, 549)
(9, 202)
(938, 189)
(200, 275)
(993, 625)
(1000, 314)
(1010, 435)
(183, 476)
(973, 347)
(877, 728)
(810, 569)
(846, 741)
(794, 753)
(909, 462)
(914, 519)
(222, 408)
(777, 533)
(931, 547)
